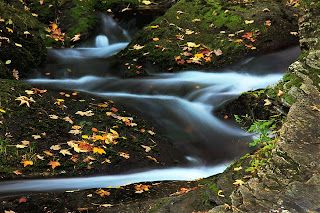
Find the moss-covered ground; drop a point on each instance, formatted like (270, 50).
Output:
(76, 132)
(211, 34)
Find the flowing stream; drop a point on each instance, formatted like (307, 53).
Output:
(181, 104)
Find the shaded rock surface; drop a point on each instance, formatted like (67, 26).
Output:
(21, 46)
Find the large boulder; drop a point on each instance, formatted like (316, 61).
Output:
(22, 47)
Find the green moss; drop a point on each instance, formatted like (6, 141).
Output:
(159, 205)
(213, 188)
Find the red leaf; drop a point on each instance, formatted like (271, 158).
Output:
(23, 200)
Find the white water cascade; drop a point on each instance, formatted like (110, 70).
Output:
(101, 41)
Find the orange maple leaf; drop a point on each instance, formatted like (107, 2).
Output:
(54, 164)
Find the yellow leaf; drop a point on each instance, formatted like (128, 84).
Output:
(199, 55)
(267, 102)
(237, 169)
(220, 193)
(27, 162)
(248, 21)
(154, 27)
(137, 47)
(238, 182)
(155, 39)
(9, 30)
(98, 150)
(85, 136)
(18, 45)
(279, 93)
(146, 2)
(21, 146)
(2, 111)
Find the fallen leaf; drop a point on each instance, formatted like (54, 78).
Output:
(280, 93)
(125, 155)
(48, 153)
(217, 52)
(137, 47)
(55, 147)
(267, 23)
(17, 172)
(22, 200)
(53, 117)
(237, 169)
(54, 164)
(36, 137)
(68, 120)
(238, 182)
(146, 2)
(15, 74)
(265, 10)
(102, 192)
(21, 146)
(76, 37)
(220, 193)
(147, 148)
(154, 27)
(151, 133)
(65, 152)
(98, 150)
(267, 102)
(27, 162)
(155, 39)
(40, 157)
(248, 21)
(2, 111)
(151, 158)
(25, 100)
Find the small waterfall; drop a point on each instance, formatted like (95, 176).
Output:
(101, 41)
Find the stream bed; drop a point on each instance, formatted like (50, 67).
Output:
(180, 104)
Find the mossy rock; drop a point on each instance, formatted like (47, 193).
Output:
(237, 29)
(21, 44)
